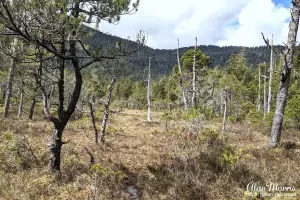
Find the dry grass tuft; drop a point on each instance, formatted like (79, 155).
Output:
(170, 158)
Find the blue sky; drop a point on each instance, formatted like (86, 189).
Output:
(214, 22)
(285, 3)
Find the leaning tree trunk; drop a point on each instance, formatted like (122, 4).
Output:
(106, 111)
(194, 78)
(285, 75)
(149, 92)
(270, 78)
(181, 80)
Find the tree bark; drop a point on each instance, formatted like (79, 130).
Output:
(225, 112)
(194, 78)
(285, 75)
(270, 78)
(265, 93)
(221, 106)
(259, 85)
(21, 100)
(33, 101)
(10, 80)
(32, 106)
(50, 95)
(106, 111)
(149, 92)
(181, 80)
(9, 87)
(94, 121)
(55, 147)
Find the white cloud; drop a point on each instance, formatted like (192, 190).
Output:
(216, 22)
(256, 17)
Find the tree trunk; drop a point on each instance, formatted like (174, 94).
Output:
(270, 78)
(259, 85)
(32, 106)
(265, 93)
(33, 102)
(94, 122)
(9, 87)
(10, 80)
(181, 80)
(21, 101)
(106, 111)
(50, 95)
(149, 92)
(285, 75)
(194, 78)
(225, 112)
(55, 147)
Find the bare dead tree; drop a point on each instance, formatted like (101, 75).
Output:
(149, 92)
(91, 103)
(194, 77)
(282, 95)
(259, 85)
(9, 85)
(181, 79)
(20, 110)
(225, 111)
(270, 78)
(106, 111)
(265, 92)
(221, 104)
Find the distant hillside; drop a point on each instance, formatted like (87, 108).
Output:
(165, 59)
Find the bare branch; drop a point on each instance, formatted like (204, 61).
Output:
(267, 42)
(92, 158)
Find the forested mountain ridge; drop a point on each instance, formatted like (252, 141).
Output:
(164, 59)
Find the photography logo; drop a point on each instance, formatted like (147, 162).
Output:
(269, 190)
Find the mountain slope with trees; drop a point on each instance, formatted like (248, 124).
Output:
(164, 59)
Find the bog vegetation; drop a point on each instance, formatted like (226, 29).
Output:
(78, 123)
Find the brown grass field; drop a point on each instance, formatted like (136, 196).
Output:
(144, 161)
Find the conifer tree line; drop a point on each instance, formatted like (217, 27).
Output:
(50, 70)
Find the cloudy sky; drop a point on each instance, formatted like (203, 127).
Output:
(215, 22)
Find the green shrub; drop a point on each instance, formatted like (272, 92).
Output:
(207, 112)
(230, 156)
(293, 111)
(269, 119)
(111, 130)
(209, 136)
(254, 117)
(15, 153)
(191, 114)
